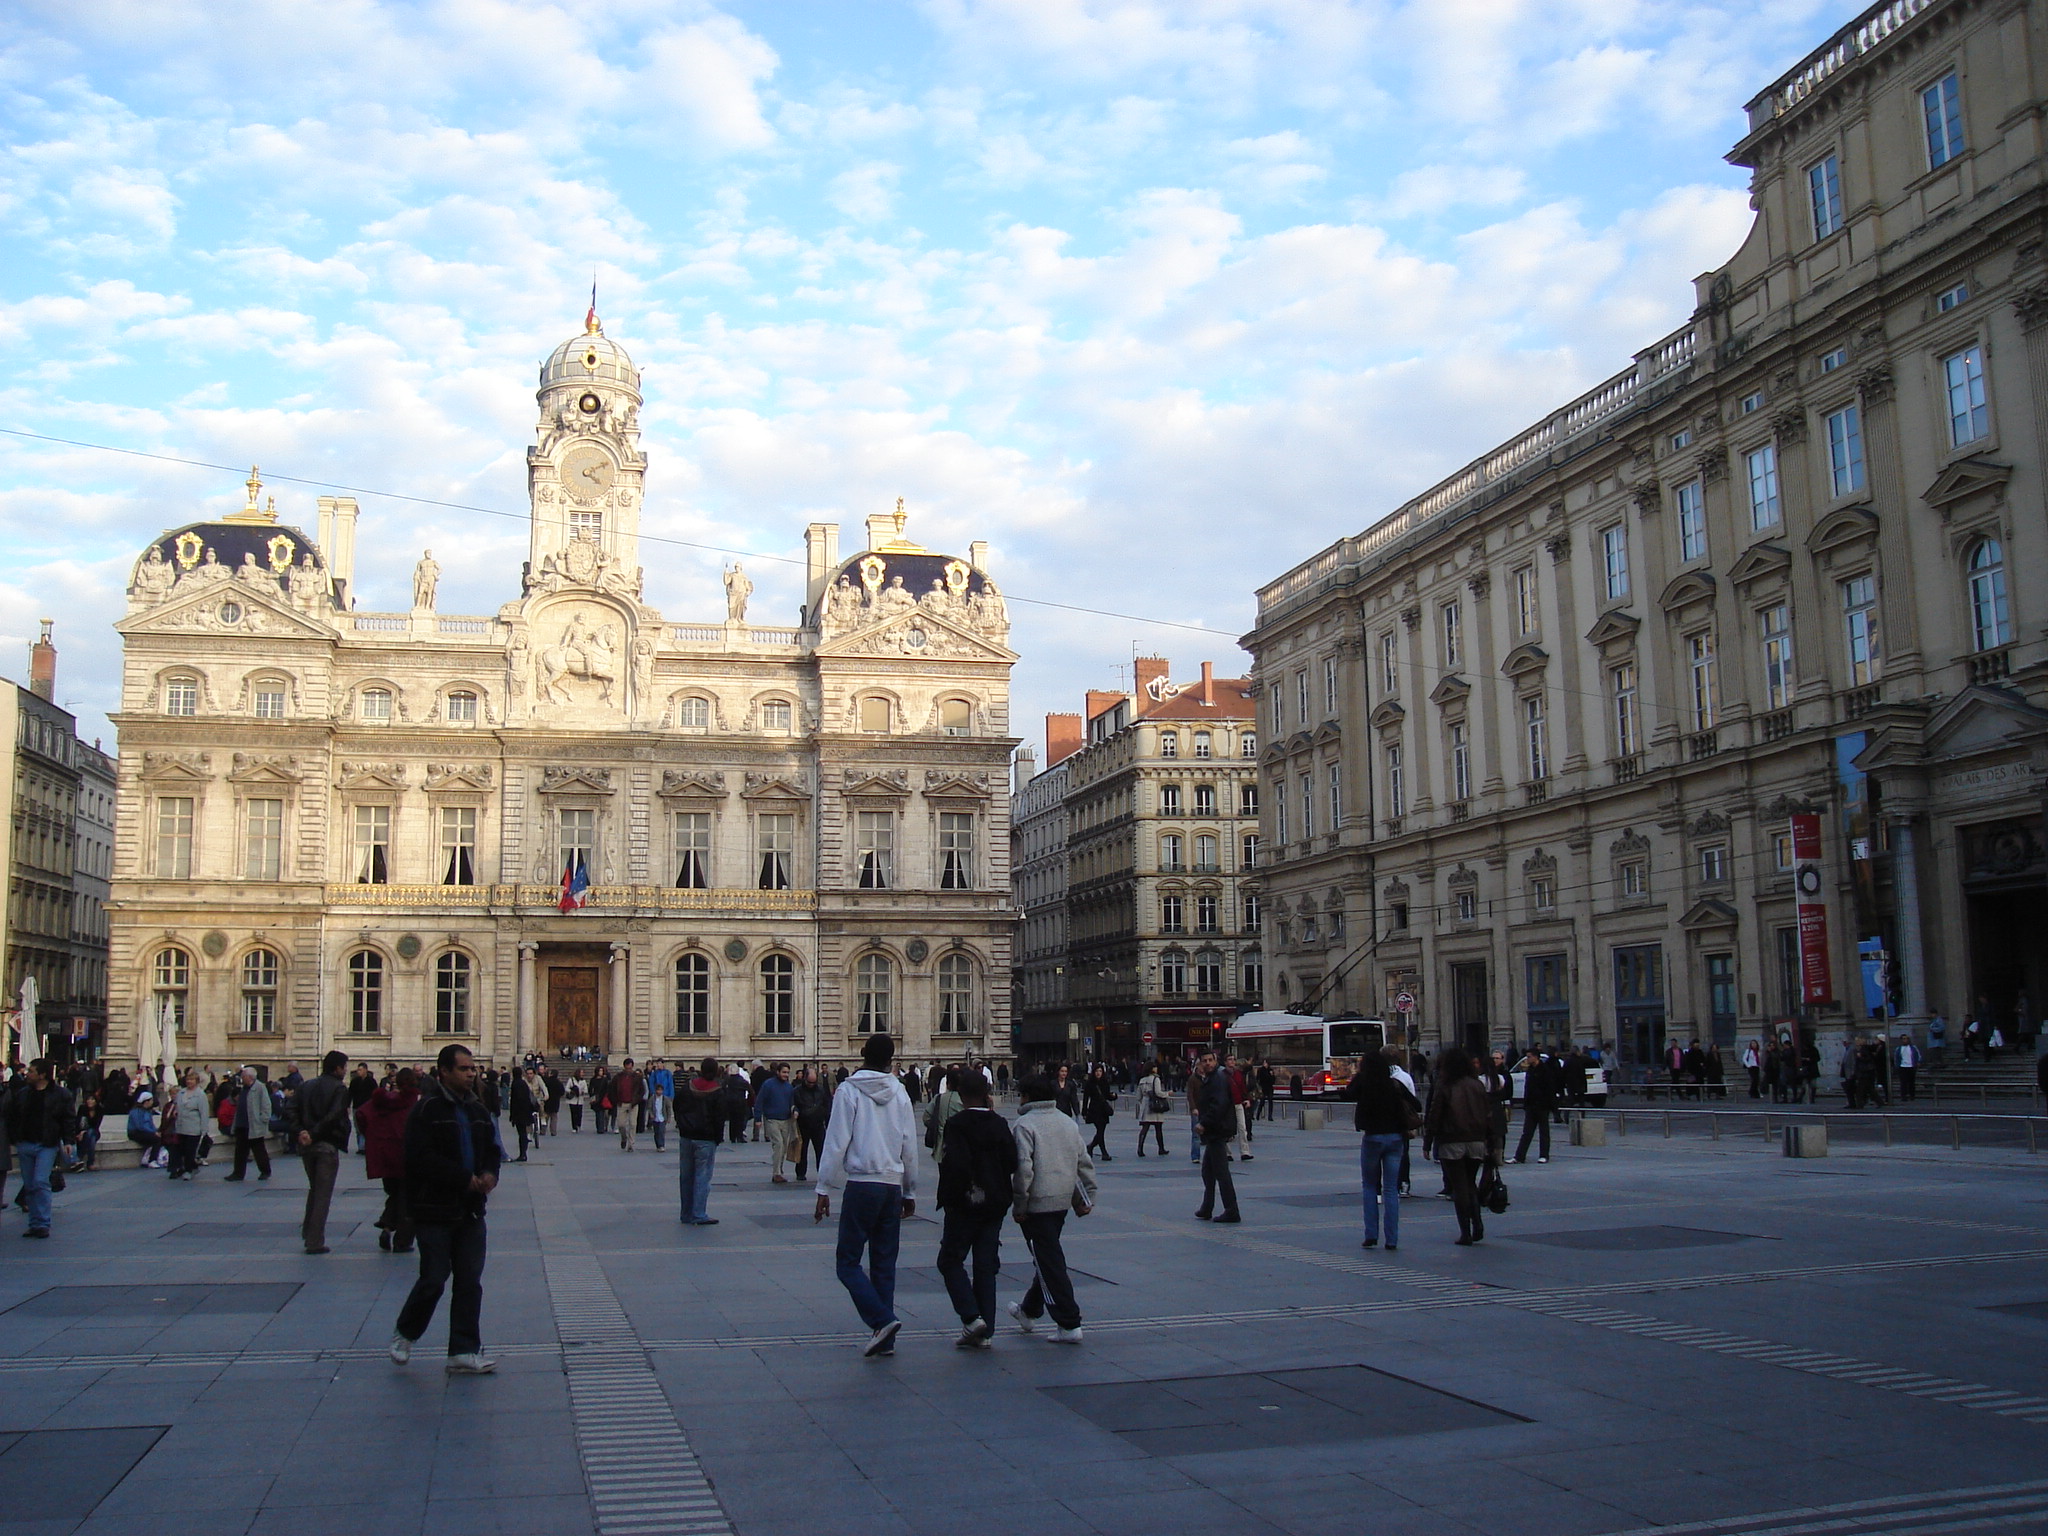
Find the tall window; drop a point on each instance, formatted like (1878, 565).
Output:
(875, 849)
(576, 837)
(694, 714)
(1461, 761)
(1248, 851)
(181, 696)
(172, 976)
(1614, 561)
(1208, 973)
(1713, 864)
(452, 973)
(1453, 628)
(874, 990)
(263, 840)
(1941, 107)
(1301, 697)
(693, 850)
(366, 992)
(1775, 625)
(1859, 623)
(778, 994)
(376, 704)
(1308, 806)
(1824, 187)
(1329, 689)
(1765, 509)
(1173, 972)
(269, 702)
(1248, 744)
(956, 717)
(1699, 666)
(1692, 522)
(174, 837)
(1280, 811)
(1525, 600)
(956, 995)
(1173, 914)
(458, 845)
(1169, 799)
(1247, 799)
(775, 833)
(874, 714)
(259, 991)
(1253, 911)
(1169, 743)
(1390, 663)
(693, 992)
(1206, 910)
(1621, 684)
(1205, 799)
(1171, 851)
(1845, 451)
(1336, 781)
(1990, 624)
(1969, 418)
(1205, 744)
(1535, 736)
(956, 850)
(1205, 854)
(462, 707)
(1397, 787)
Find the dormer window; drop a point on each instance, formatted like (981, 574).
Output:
(695, 715)
(181, 696)
(269, 702)
(462, 708)
(956, 717)
(376, 705)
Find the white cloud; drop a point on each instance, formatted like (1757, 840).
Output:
(709, 74)
(866, 192)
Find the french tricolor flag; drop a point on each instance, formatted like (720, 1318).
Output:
(575, 885)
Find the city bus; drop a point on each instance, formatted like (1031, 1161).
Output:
(1325, 1052)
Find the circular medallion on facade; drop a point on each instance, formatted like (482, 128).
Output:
(735, 950)
(231, 613)
(917, 949)
(914, 638)
(215, 944)
(409, 947)
(589, 405)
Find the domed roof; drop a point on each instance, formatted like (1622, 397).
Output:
(590, 356)
(919, 571)
(274, 547)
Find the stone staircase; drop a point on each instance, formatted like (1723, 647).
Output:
(2007, 1076)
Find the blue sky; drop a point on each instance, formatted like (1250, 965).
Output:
(1156, 298)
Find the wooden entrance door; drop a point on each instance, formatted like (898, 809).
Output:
(572, 1006)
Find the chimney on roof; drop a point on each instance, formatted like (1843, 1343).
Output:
(1024, 769)
(42, 664)
(1100, 700)
(1062, 738)
(1208, 682)
(1146, 671)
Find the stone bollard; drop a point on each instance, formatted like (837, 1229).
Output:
(1311, 1118)
(1806, 1141)
(1588, 1132)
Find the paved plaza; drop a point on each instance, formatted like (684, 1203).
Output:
(1690, 1333)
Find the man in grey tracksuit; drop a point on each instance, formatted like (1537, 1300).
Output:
(1053, 1168)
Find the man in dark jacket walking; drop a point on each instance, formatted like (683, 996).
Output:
(451, 1167)
(1216, 1120)
(318, 1122)
(977, 1159)
(1540, 1083)
(41, 1119)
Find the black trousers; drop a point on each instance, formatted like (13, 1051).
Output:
(244, 1147)
(1535, 1117)
(1052, 1288)
(980, 1235)
(1909, 1082)
(447, 1249)
(1157, 1129)
(397, 1217)
(1216, 1176)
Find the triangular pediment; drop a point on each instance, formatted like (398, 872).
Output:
(371, 775)
(780, 786)
(1709, 913)
(177, 767)
(894, 783)
(917, 634)
(1963, 479)
(1760, 561)
(202, 608)
(1389, 713)
(1981, 719)
(456, 777)
(941, 784)
(1525, 661)
(1842, 529)
(1614, 627)
(1329, 731)
(1450, 690)
(1684, 591)
(257, 768)
(574, 779)
(682, 784)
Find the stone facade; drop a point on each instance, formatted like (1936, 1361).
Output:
(1540, 732)
(354, 829)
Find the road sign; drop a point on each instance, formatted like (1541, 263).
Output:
(1147, 1037)
(1404, 1002)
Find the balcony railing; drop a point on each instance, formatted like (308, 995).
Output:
(1461, 810)
(1858, 702)
(1702, 744)
(1992, 665)
(601, 897)
(1776, 727)
(1626, 769)
(1536, 792)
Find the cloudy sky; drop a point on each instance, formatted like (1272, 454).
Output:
(1157, 296)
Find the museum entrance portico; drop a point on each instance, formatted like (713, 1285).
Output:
(572, 994)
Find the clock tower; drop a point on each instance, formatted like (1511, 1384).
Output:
(585, 471)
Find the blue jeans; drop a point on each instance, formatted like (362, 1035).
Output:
(694, 1173)
(1379, 1170)
(36, 1160)
(1194, 1138)
(870, 1217)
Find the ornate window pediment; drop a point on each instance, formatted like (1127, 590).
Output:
(684, 784)
(1388, 714)
(1525, 661)
(1684, 591)
(1615, 627)
(1452, 689)
(1462, 878)
(445, 778)
(1709, 913)
(873, 783)
(945, 784)
(1785, 807)
(372, 775)
(1707, 824)
(1848, 528)
(1962, 480)
(779, 786)
(257, 768)
(177, 767)
(1539, 863)
(575, 780)
(1629, 844)
(1758, 562)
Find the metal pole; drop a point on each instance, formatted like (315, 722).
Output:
(1955, 1132)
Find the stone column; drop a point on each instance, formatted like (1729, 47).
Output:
(1912, 950)
(621, 978)
(525, 1035)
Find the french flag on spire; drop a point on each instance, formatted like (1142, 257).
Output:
(591, 324)
(575, 885)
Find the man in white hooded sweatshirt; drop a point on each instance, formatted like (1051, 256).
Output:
(870, 1153)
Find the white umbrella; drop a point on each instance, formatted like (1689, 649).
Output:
(31, 1031)
(167, 1040)
(145, 1035)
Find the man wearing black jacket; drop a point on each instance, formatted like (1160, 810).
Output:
(1217, 1122)
(40, 1120)
(977, 1157)
(317, 1118)
(1540, 1083)
(451, 1167)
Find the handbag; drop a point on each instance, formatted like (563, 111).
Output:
(1496, 1193)
(56, 1180)
(1157, 1104)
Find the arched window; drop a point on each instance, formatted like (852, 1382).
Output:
(693, 993)
(874, 990)
(259, 991)
(956, 995)
(778, 995)
(1173, 971)
(173, 979)
(1208, 972)
(181, 696)
(956, 717)
(874, 714)
(1990, 621)
(451, 993)
(1205, 854)
(375, 704)
(694, 715)
(366, 992)
(462, 707)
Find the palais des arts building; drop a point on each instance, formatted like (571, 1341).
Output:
(1542, 732)
(352, 829)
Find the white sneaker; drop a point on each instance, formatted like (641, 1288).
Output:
(1066, 1335)
(401, 1349)
(471, 1365)
(975, 1336)
(884, 1341)
(1024, 1324)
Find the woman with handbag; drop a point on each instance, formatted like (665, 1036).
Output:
(1154, 1105)
(1460, 1123)
(1099, 1108)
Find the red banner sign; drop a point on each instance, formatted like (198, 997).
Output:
(1816, 979)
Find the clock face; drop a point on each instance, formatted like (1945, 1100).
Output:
(587, 474)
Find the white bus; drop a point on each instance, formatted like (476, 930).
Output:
(1325, 1052)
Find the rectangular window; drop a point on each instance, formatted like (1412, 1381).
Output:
(1699, 662)
(1781, 853)
(1252, 911)
(875, 849)
(1301, 697)
(1614, 561)
(1248, 800)
(1453, 623)
(1205, 744)
(263, 843)
(1169, 743)
(1206, 861)
(775, 716)
(371, 831)
(1859, 620)
(1680, 441)
(1968, 417)
(1713, 864)
(458, 845)
(1692, 522)
(1280, 811)
(1542, 894)
(1468, 907)
(1173, 972)
(956, 850)
(1390, 663)
(1461, 761)
(1248, 744)
(1172, 914)
(1635, 877)
(1208, 973)
(1205, 799)
(1775, 625)
(775, 840)
(1535, 731)
(576, 841)
(1824, 187)
(693, 850)
(1248, 851)
(1752, 403)
(586, 525)
(1329, 688)
(1845, 451)
(181, 697)
(1397, 788)
(1169, 799)
(1525, 600)
(1336, 798)
(1627, 727)
(1941, 107)
(1951, 298)
(1830, 361)
(1308, 806)
(269, 703)
(1765, 509)
(1206, 918)
(174, 837)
